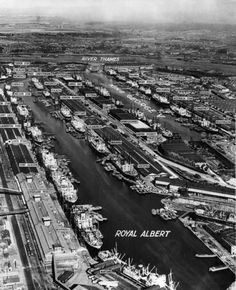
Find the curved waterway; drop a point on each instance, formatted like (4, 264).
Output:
(126, 209)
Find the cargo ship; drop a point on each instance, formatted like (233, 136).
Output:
(165, 213)
(37, 84)
(118, 103)
(103, 91)
(140, 274)
(36, 134)
(13, 99)
(64, 186)
(78, 124)
(62, 183)
(208, 126)
(89, 84)
(66, 113)
(121, 78)
(9, 94)
(132, 84)
(146, 91)
(167, 133)
(98, 145)
(180, 111)
(162, 100)
(22, 110)
(87, 227)
(49, 161)
(126, 168)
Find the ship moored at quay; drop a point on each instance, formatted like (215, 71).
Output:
(138, 277)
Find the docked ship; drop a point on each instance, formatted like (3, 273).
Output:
(118, 103)
(208, 126)
(147, 91)
(142, 89)
(167, 133)
(166, 213)
(37, 84)
(92, 237)
(160, 99)
(9, 95)
(121, 78)
(62, 183)
(98, 145)
(126, 168)
(89, 84)
(22, 111)
(103, 91)
(132, 84)
(13, 99)
(36, 134)
(180, 111)
(64, 186)
(88, 228)
(66, 113)
(140, 274)
(49, 160)
(78, 124)
(27, 127)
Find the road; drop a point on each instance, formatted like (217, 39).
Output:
(19, 241)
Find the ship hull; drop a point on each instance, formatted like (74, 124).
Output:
(99, 152)
(125, 174)
(162, 104)
(79, 130)
(87, 241)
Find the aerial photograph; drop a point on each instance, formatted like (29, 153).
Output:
(117, 144)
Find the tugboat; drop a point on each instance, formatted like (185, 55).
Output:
(154, 211)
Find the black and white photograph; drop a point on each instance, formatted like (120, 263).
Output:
(117, 144)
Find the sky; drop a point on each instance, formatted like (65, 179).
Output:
(159, 11)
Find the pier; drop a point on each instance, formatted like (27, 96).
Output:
(218, 268)
(205, 255)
